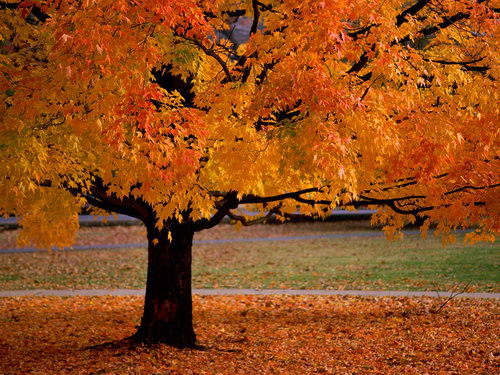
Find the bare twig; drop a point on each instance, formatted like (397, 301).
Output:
(454, 293)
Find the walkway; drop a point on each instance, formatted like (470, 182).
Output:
(211, 242)
(260, 292)
(119, 219)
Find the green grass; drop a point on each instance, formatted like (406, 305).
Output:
(350, 263)
(367, 263)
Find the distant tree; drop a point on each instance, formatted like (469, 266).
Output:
(137, 107)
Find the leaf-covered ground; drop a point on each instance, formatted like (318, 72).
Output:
(346, 263)
(255, 335)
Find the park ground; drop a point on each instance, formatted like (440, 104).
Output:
(259, 334)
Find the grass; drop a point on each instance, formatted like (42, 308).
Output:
(349, 263)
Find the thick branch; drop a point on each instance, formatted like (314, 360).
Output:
(227, 203)
(480, 69)
(275, 198)
(256, 16)
(447, 62)
(4, 5)
(229, 13)
(449, 21)
(411, 11)
(106, 205)
(356, 34)
(464, 64)
(470, 187)
(133, 206)
(414, 211)
(357, 66)
(253, 30)
(99, 198)
(244, 221)
(393, 203)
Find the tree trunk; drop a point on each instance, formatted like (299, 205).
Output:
(167, 314)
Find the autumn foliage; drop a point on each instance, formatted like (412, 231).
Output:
(254, 335)
(350, 100)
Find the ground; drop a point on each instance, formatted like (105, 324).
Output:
(259, 334)
(255, 335)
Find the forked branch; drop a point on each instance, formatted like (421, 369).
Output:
(247, 222)
(210, 52)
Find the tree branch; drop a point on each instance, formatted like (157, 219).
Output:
(211, 53)
(134, 206)
(253, 30)
(356, 34)
(275, 198)
(4, 5)
(256, 16)
(99, 198)
(229, 13)
(36, 11)
(106, 205)
(447, 62)
(401, 18)
(411, 11)
(393, 203)
(470, 187)
(465, 64)
(243, 220)
(449, 21)
(357, 66)
(227, 203)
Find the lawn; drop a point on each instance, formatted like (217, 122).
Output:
(252, 335)
(347, 263)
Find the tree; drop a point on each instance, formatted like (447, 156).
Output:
(138, 108)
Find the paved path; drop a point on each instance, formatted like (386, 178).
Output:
(232, 292)
(119, 219)
(206, 242)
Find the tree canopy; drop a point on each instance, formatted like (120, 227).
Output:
(124, 103)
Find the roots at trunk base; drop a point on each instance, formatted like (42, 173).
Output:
(168, 316)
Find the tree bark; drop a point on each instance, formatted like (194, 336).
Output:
(167, 316)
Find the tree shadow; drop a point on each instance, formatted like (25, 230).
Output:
(131, 344)
(127, 343)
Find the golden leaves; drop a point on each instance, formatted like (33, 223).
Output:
(254, 334)
(50, 220)
(333, 94)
